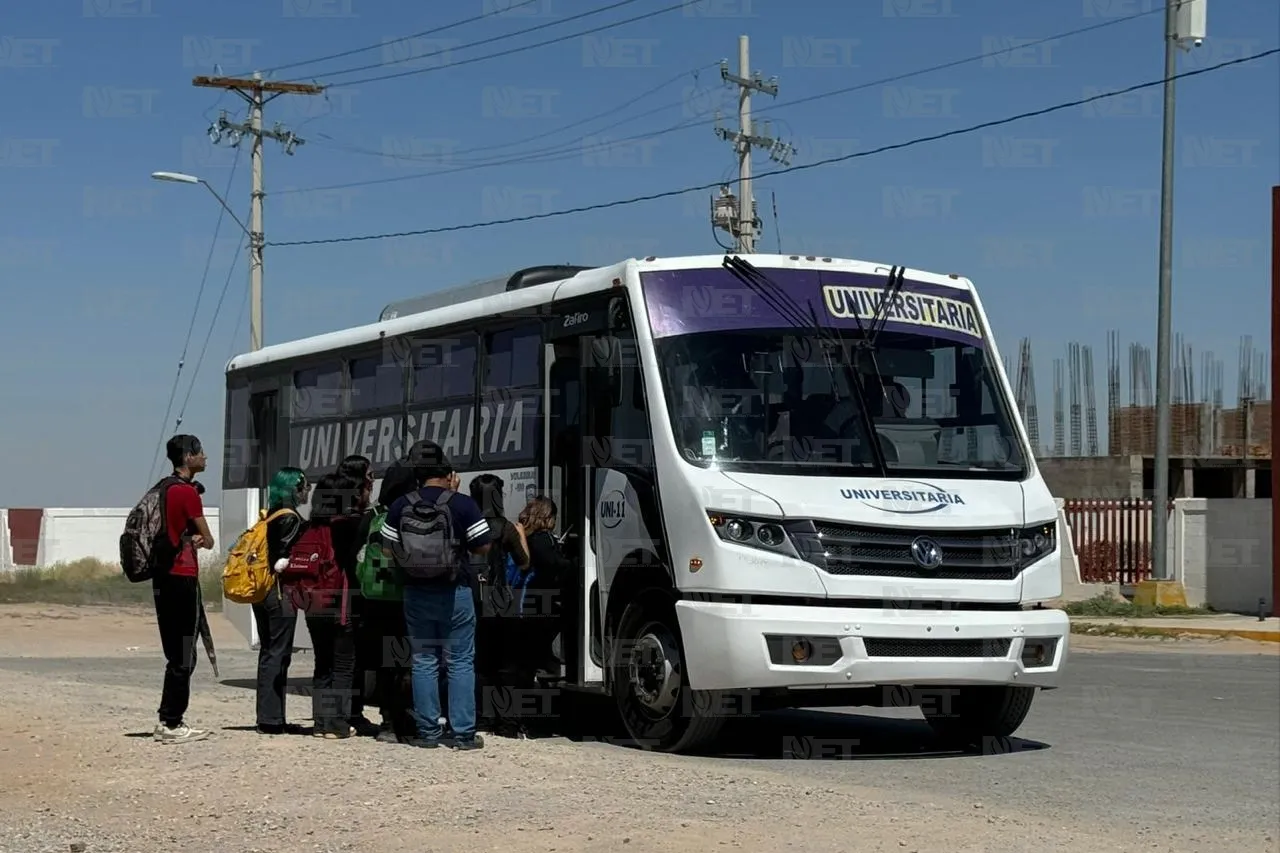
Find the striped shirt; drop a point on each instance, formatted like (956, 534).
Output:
(469, 525)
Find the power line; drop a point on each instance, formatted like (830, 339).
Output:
(788, 170)
(550, 154)
(512, 51)
(382, 44)
(469, 45)
(624, 105)
(537, 156)
(195, 312)
(235, 332)
(195, 374)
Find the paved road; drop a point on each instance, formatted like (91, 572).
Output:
(1129, 737)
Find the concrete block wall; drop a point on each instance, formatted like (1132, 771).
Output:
(46, 537)
(1222, 552)
(1187, 547)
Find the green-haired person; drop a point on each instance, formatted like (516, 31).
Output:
(275, 616)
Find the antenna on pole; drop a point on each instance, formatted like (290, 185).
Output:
(745, 224)
(258, 93)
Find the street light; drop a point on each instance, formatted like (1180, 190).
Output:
(181, 178)
(255, 257)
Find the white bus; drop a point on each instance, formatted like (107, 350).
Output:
(705, 426)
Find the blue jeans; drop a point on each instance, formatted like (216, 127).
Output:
(442, 620)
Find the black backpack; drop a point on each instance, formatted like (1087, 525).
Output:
(428, 549)
(145, 549)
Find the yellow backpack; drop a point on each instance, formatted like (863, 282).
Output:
(247, 577)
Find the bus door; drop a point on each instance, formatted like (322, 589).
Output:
(255, 445)
(569, 476)
(264, 419)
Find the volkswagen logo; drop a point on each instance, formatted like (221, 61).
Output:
(926, 553)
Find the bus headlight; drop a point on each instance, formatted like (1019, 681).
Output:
(771, 535)
(762, 533)
(1037, 541)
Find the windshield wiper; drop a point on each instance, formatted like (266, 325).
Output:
(868, 337)
(768, 290)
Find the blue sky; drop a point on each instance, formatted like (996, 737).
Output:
(1054, 218)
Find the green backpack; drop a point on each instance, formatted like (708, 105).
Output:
(376, 570)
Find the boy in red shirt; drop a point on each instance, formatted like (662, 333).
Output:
(177, 592)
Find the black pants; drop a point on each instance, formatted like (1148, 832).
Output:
(332, 686)
(277, 623)
(383, 642)
(362, 660)
(177, 602)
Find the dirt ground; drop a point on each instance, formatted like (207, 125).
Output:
(79, 772)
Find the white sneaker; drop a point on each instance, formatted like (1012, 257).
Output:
(180, 734)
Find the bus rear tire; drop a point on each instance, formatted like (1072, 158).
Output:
(650, 682)
(979, 716)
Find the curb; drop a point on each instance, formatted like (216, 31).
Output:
(1144, 630)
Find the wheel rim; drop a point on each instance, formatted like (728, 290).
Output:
(653, 670)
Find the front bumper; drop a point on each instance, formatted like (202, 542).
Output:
(737, 647)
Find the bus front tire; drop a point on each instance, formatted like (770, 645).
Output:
(978, 716)
(650, 681)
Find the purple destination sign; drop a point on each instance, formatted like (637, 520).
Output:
(682, 302)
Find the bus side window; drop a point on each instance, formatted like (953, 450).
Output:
(511, 397)
(317, 392)
(377, 382)
(444, 368)
(238, 446)
(513, 358)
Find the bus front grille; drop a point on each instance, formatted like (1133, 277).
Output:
(879, 647)
(847, 549)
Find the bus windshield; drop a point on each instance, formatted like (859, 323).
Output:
(799, 370)
(784, 401)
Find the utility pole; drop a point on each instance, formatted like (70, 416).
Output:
(258, 93)
(1184, 21)
(1275, 400)
(740, 220)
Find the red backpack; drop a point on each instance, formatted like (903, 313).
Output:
(313, 576)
